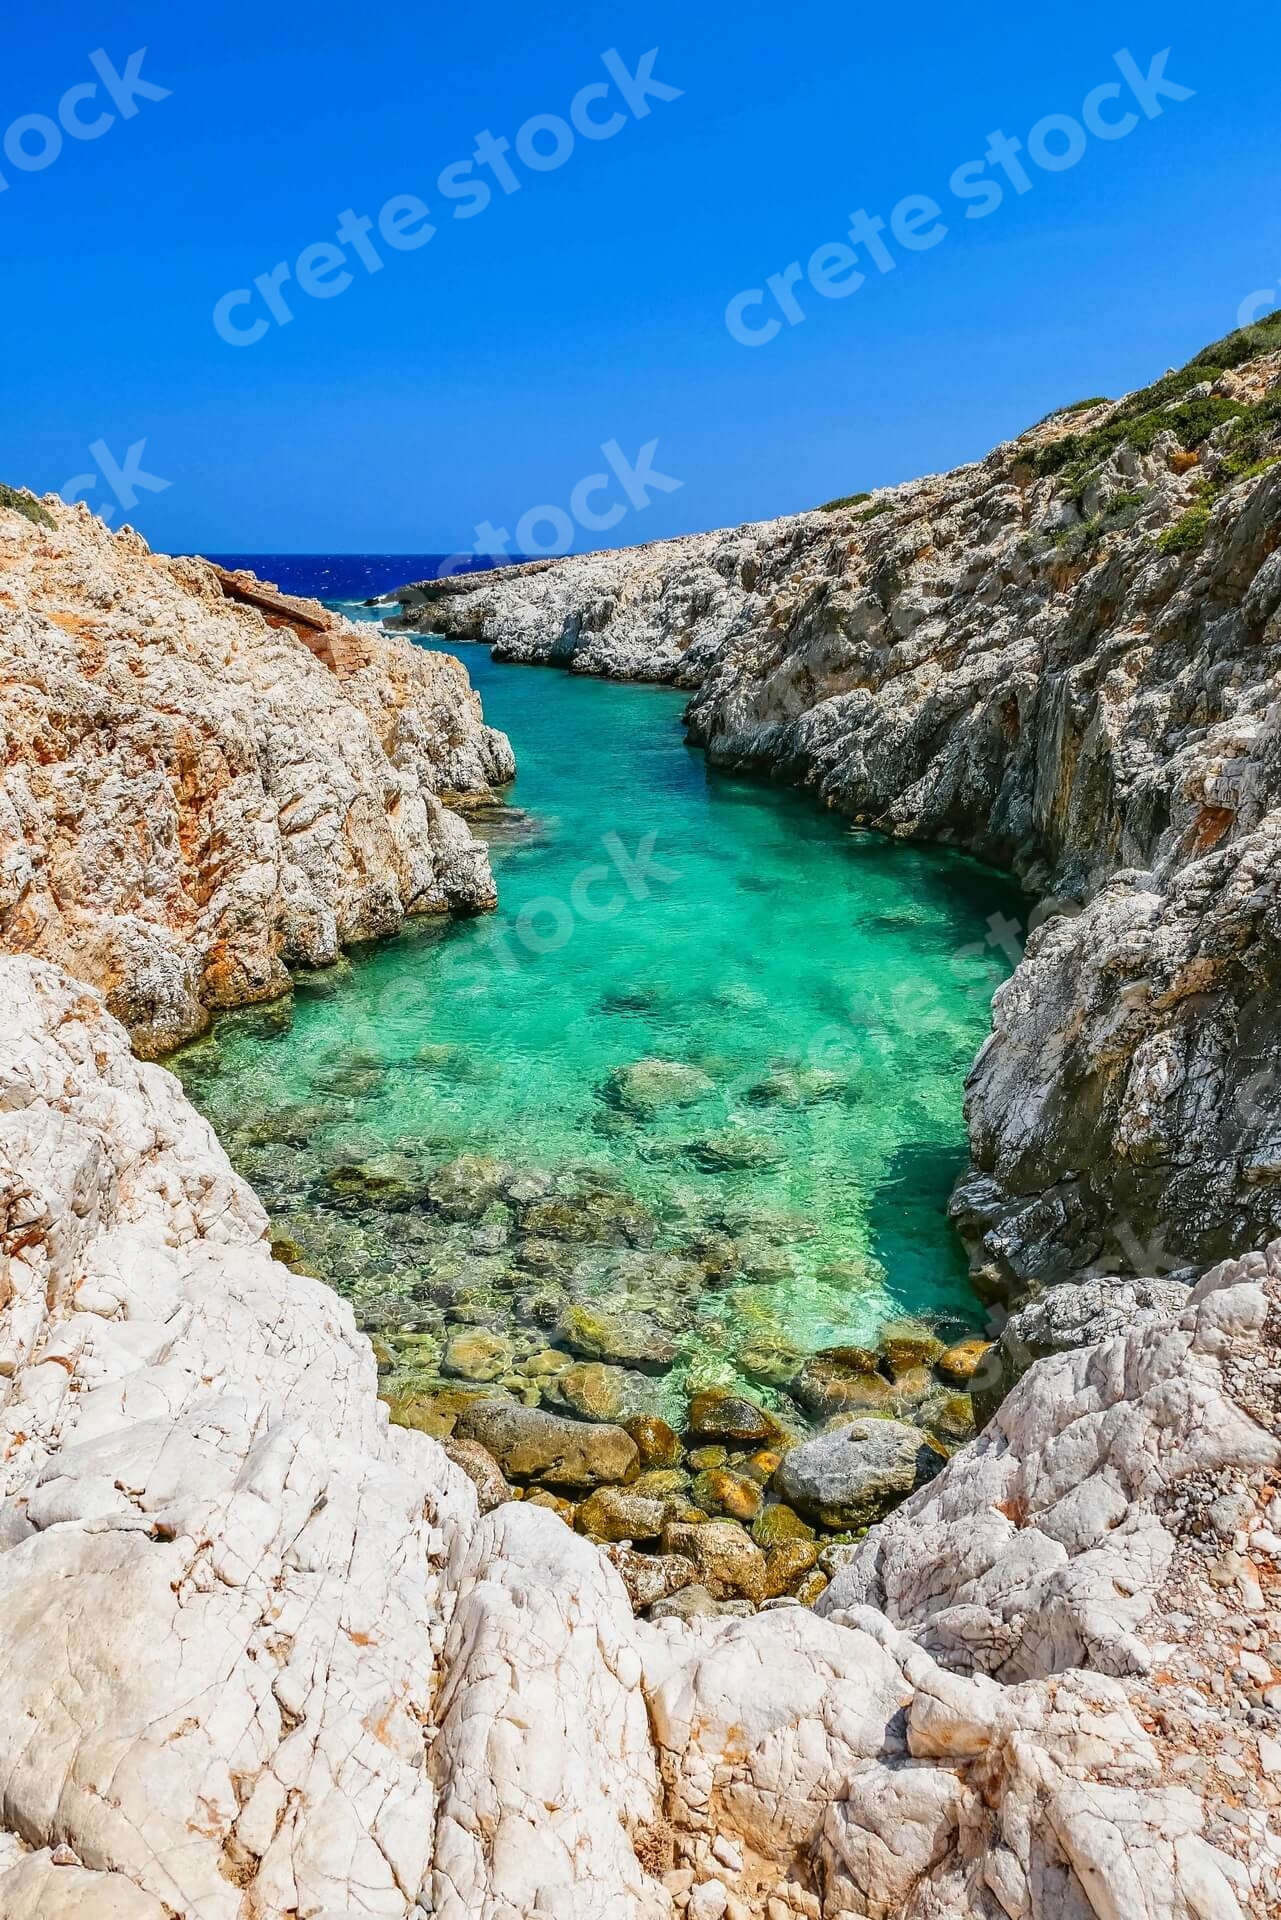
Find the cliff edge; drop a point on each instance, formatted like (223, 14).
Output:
(194, 797)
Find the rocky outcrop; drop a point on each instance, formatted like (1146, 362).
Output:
(263, 1657)
(1067, 659)
(194, 798)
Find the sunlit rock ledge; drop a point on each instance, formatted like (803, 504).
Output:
(190, 801)
(264, 1657)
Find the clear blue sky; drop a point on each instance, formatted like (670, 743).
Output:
(478, 376)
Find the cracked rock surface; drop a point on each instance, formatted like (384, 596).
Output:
(191, 802)
(264, 1657)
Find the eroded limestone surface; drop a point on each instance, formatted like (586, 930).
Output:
(191, 801)
(262, 1656)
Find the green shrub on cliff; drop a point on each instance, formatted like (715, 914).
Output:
(26, 504)
(847, 500)
(1236, 348)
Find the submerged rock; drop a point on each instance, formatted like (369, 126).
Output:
(478, 1355)
(907, 1344)
(627, 1340)
(835, 1383)
(468, 1186)
(591, 1391)
(648, 1086)
(716, 1413)
(771, 1362)
(734, 1151)
(656, 1443)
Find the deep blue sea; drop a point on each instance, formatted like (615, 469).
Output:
(345, 576)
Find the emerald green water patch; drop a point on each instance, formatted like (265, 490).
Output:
(689, 1104)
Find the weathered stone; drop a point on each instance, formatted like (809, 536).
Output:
(549, 1449)
(848, 1478)
(650, 1577)
(478, 1356)
(627, 1340)
(715, 1413)
(692, 1602)
(656, 1443)
(728, 1561)
(482, 1470)
(718, 1491)
(615, 1513)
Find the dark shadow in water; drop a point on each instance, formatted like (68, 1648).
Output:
(904, 1219)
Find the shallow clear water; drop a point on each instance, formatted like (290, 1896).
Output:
(820, 991)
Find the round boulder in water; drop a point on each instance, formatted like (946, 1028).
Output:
(716, 1413)
(626, 1339)
(546, 1448)
(656, 1443)
(478, 1355)
(647, 1086)
(849, 1478)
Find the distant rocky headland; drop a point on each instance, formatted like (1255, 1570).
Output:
(268, 1653)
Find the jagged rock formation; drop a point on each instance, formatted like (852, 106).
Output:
(191, 800)
(1066, 658)
(264, 1658)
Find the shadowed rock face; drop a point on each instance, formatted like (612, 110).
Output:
(191, 801)
(1066, 658)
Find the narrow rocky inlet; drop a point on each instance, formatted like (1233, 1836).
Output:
(722, 1220)
(645, 1561)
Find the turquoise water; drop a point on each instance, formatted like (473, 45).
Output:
(814, 993)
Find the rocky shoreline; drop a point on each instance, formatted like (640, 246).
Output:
(1063, 658)
(191, 802)
(281, 1663)
(283, 1657)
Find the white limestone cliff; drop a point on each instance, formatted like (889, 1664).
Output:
(191, 801)
(262, 1656)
